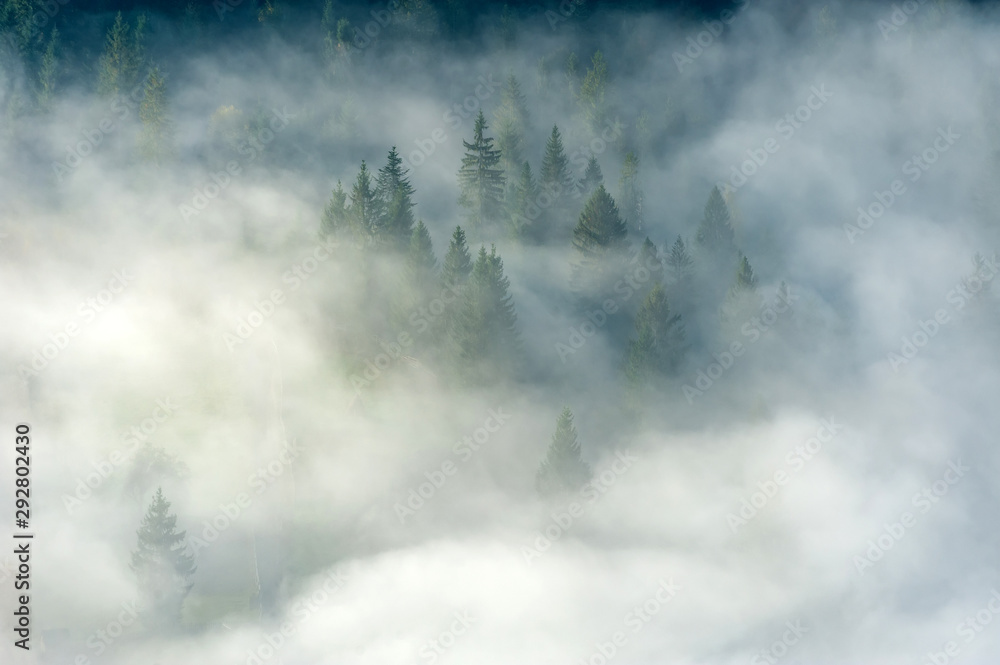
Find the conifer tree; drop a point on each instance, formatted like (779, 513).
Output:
(527, 218)
(421, 265)
(482, 183)
(679, 264)
(334, 219)
(365, 208)
(48, 72)
(649, 257)
(592, 178)
(563, 469)
(715, 232)
(630, 192)
(511, 122)
(600, 243)
(484, 335)
(156, 139)
(161, 564)
(659, 344)
(555, 166)
(743, 299)
(457, 265)
(123, 57)
(395, 194)
(593, 92)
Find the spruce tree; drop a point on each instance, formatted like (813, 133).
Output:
(48, 72)
(395, 194)
(592, 178)
(679, 264)
(593, 92)
(482, 183)
(123, 57)
(563, 469)
(457, 265)
(156, 139)
(527, 217)
(659, 344)
(630, 192)
(743, 299)
(421, 265)
(555, 166)
(334, 219)
(485, 341)
(600, 243)
(365, 208)
(511, 122)
(161, 564)
(649, 258)
(715, 232)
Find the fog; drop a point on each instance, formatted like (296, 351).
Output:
(180, 322)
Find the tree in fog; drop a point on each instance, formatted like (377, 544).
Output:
(123, 57)
(715, 232)
(599, 241)
(563, 468)
(480, 181)
(395, 195)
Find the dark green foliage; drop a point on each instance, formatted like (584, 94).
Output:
(679, 263)
(511, 122)
(555, 165)
(484, 334)
(600, 243)
(715, 233)
(395, 194)
(161, 564)
(482, 183)
(457, 264)
(659, 344)
(123, 59)
(365, 209)
(592, 178)
(563, 469)
(593, 92)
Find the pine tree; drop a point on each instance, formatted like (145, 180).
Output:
(484, 335)
(679, 264)
(649, 257)
(659, 345)
(365, 208)
(592, 178)
(156, 139)
(123, 57)
(630, 192)
(334, 219)
(511, 122)
(48, 72)
(555, 165)
(593, 91)
(600, 243)
(527, 217)
(161, 564)
(421, 265)
(715, 233)
(743, 299)
(563, 469)
(457, 265)
(482, 184)
(395, 193)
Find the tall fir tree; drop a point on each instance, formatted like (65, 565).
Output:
(334, 219)
(630, 192)
(162, 565)
(481, 181)
(484, 336)
(715, 232)
(600, 241)
(457, 264)
(156, 141)
(743, 299)
(421, 265)
(592, 178)
(659, 346)
(562, 469)
(593, 92)
(555, 180)
(679, 264)
(554, 174)
(48, 72)
(395, 193)
(527, 217)
(511, 123)
(365, 208)
(123, 58)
